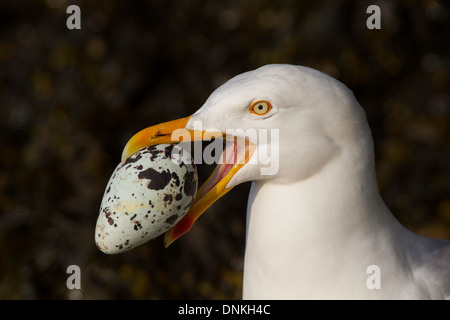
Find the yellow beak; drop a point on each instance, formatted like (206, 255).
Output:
(216, 185)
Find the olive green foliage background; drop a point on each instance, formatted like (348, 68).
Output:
(70, 99)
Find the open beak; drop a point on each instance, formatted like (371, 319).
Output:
(237, 153)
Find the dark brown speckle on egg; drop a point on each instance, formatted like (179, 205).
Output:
(153, 150)
(176, 178)
(168, 151)
(133, 158)
(172, 219)
(190, 184)
(168, 198)
(158, 180)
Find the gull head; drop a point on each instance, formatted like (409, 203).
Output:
(282, 123)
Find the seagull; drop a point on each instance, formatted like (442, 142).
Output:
(317, 227)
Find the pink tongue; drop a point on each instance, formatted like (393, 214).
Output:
(224, 166)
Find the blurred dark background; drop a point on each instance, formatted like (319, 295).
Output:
(70, 99)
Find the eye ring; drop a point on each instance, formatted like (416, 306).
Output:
(260, 107)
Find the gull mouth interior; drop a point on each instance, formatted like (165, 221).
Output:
(236, 153)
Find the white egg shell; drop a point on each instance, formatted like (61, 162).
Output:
(145, 196)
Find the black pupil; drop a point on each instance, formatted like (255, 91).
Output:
(260, 107)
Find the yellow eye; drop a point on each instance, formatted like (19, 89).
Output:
(260, 108)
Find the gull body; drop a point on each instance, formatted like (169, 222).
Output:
(316, 226)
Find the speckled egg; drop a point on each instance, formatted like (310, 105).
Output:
(145, 196)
